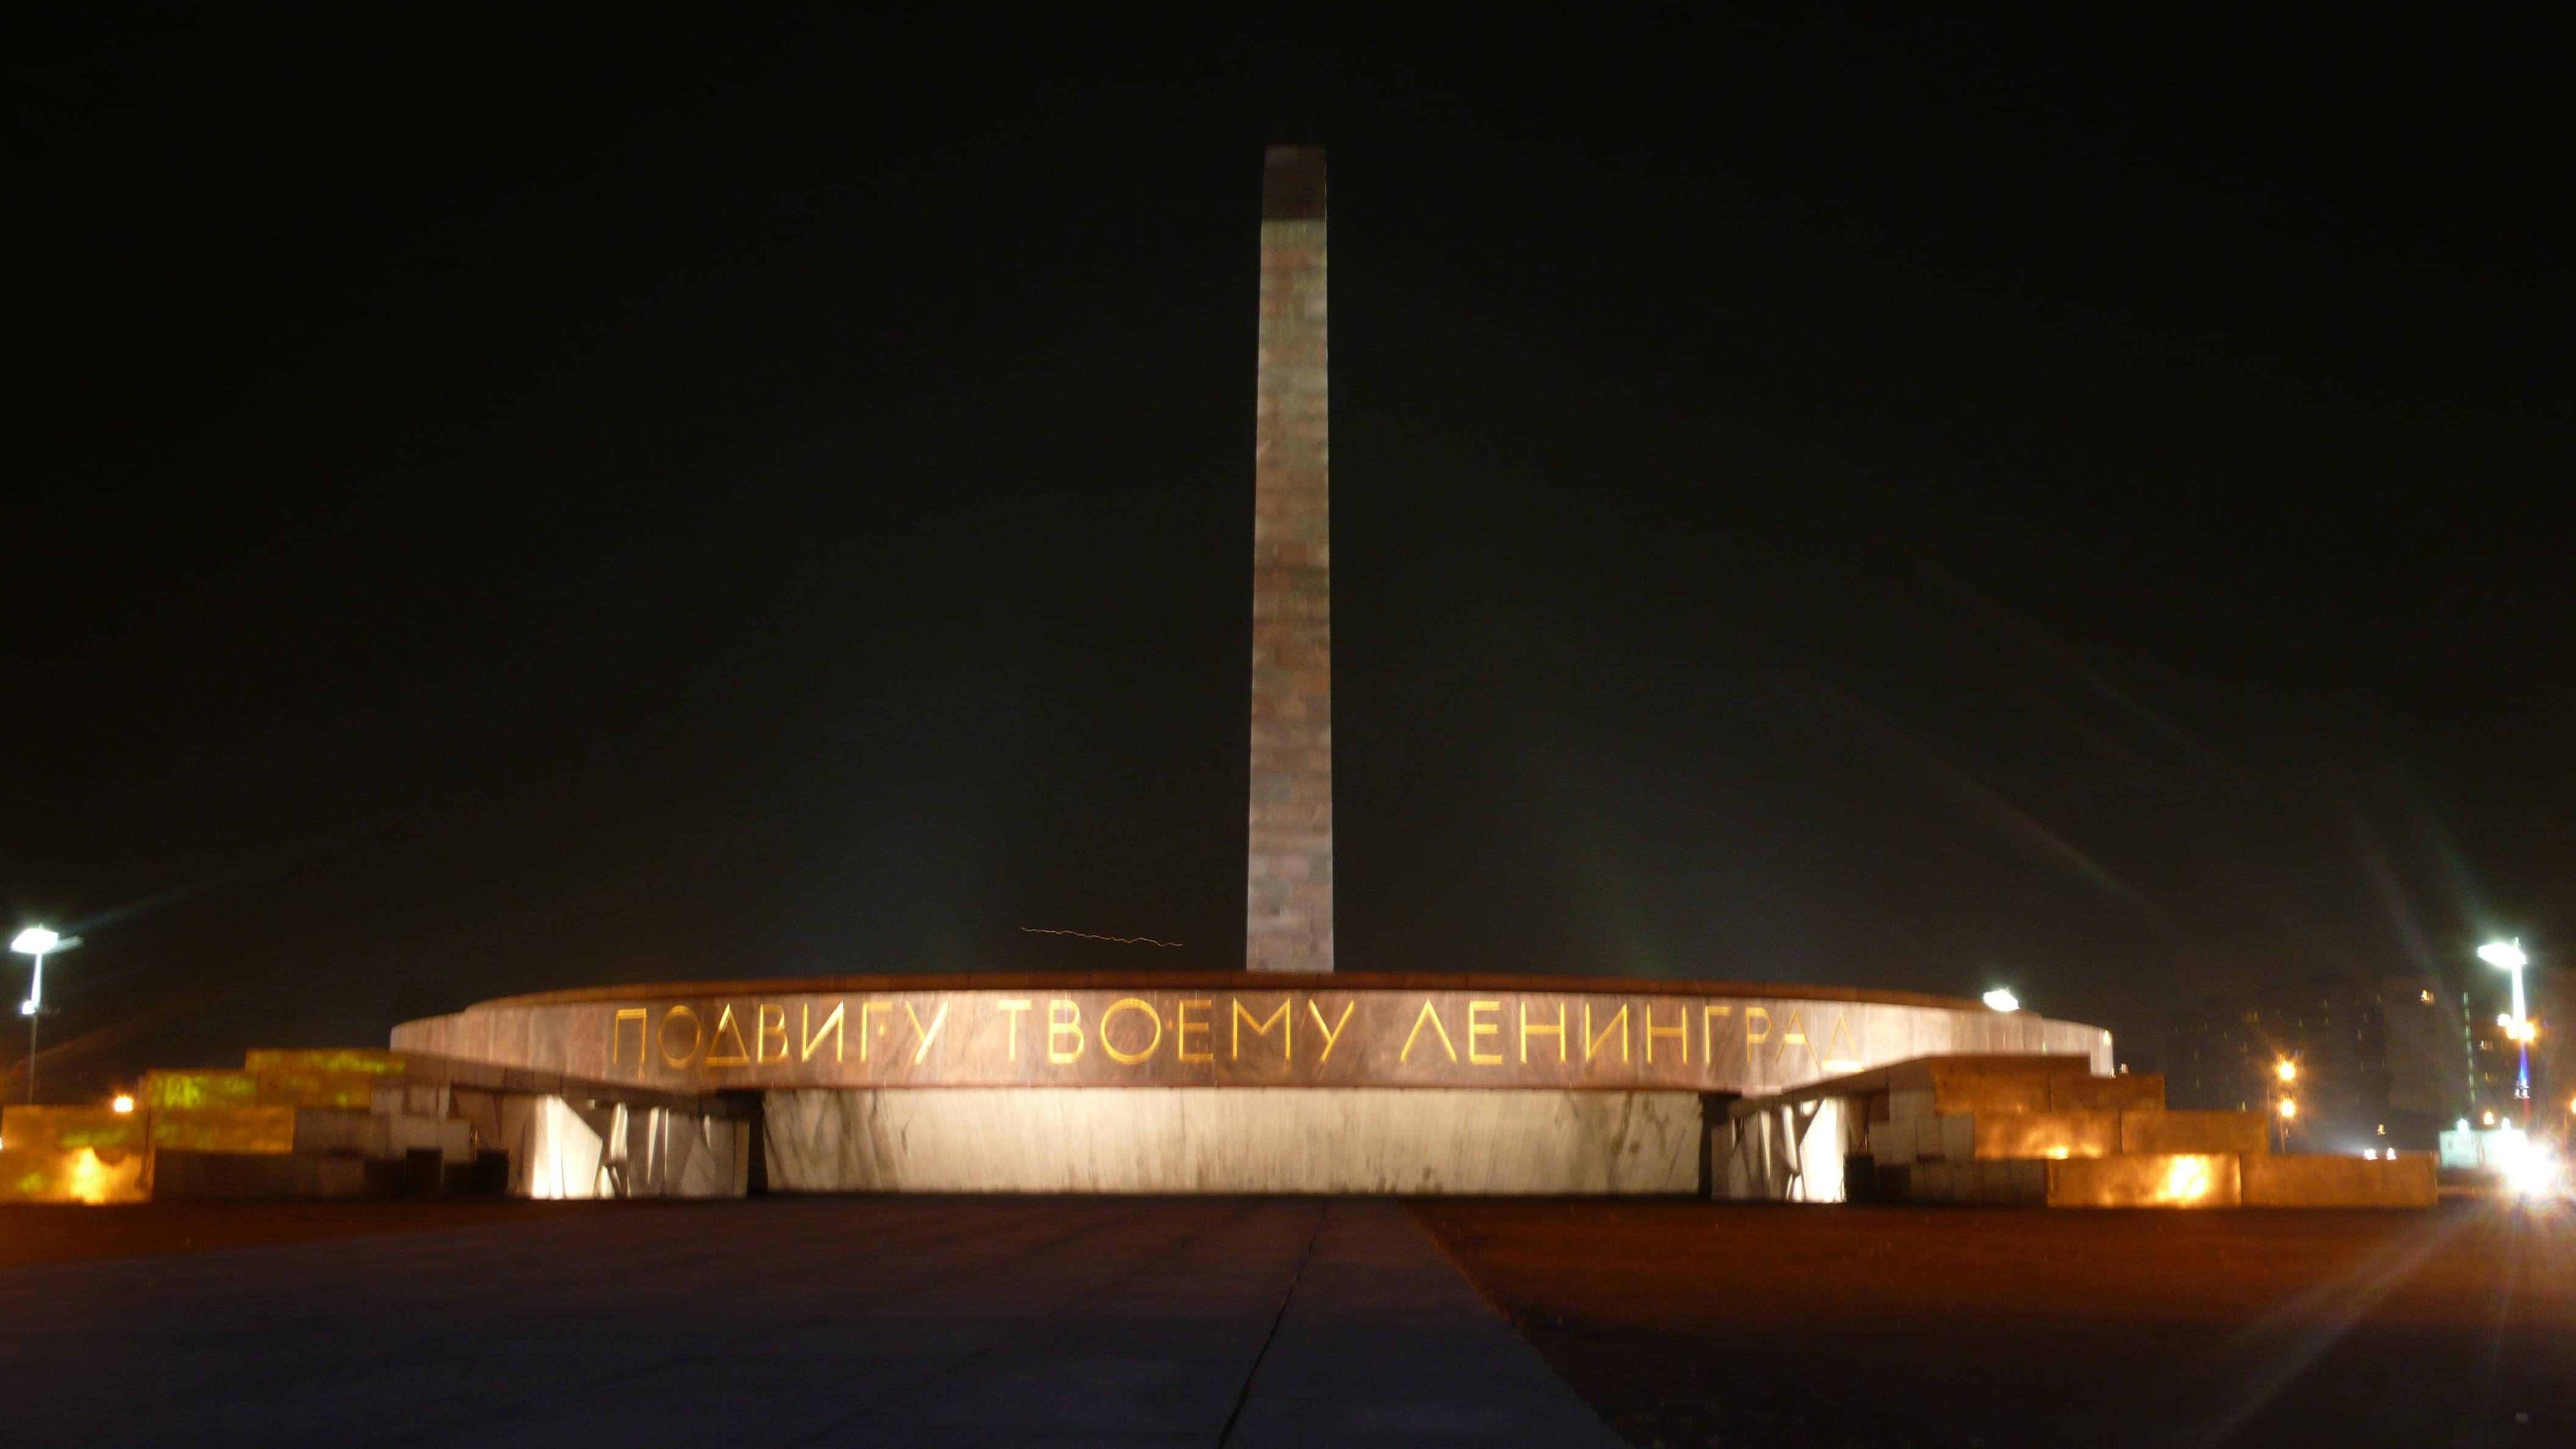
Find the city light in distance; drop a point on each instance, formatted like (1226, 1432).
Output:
(2289, 1109)
(2002, 1000)
(2286, 1070)
(122, 1103)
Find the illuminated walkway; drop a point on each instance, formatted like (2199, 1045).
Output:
(904, 1321)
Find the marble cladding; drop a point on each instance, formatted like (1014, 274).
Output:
(1182, 1139)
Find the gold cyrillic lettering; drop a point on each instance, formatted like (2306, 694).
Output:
(1476, 1028)
(1331, 1033)
(697, 1035)
(1794, 1034)
(938, 1019)
(1070, 1025)
(1129, 1003)
(725, 1024)
(812, 1038)
(1012, 1007)
(1750, 1040)
(1528, 1031)
(617, 1036)
(866, 1035)
(1708, 1031)
(1279, 1019)
(762, 1031)
(1679, 1031)
(1182, 1026)
(1836, 1038)
(1619, 1024)
(1432, 1017)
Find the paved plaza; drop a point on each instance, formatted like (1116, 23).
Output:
(898, 1321)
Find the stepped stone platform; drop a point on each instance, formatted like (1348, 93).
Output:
(2031, 1131)
(1161, 1083)
(354, 1122)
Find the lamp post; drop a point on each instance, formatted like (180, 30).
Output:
(37, 942)
(2508, 954)
(2284, 1106)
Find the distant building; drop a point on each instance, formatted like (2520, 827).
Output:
(2380, 1065)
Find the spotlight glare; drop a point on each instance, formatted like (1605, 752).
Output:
(2506, 954)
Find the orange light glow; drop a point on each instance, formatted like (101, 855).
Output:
(2288, 1071)
(123, 1103)
(2289, 1108)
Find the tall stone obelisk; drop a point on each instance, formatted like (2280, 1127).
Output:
(1288, 875)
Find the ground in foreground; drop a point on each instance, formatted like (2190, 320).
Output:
(1693, 1323)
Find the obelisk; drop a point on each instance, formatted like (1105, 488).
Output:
(1288, 874)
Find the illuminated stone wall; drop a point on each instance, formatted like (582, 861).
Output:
(1229, 1030)
(1197, 1139)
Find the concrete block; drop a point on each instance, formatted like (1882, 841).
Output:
(2321, 1181)
(69, 1129)
(219, 1087)
(1934, 1182)
(263, 1130)
(2006, 1135)
(1951, 1137)
(2155, 1180)
(2004, 1184)
(185, 1176)
(1912, 1104)
(333, 1129)
(291, 1088)
(452, 1138)
(2142, 1092)
(1961, 1088)
(334, 1061)
(79, 1174)
(2243, 1133)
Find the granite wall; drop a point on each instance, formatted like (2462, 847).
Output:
(1205, 1139)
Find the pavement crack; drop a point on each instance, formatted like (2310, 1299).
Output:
(1243, 1396)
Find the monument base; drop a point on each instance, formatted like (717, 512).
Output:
(1219, 1140)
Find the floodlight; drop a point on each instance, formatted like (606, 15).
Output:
(36, 943)
(2507, 954)
(2002, 1000)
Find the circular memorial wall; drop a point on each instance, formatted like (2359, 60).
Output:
(1229, 1030)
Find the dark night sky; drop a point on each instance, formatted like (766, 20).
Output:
(493, 508)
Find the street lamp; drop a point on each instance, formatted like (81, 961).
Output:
(38, 942)
(2286, 1072)
(2003, 1000)
(2508, 955)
